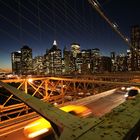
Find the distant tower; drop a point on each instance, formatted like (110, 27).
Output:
(113, 55)
(54, 43)
(135, 36)
(38, 65)
(105, 65)
(122, 62)
(16, 62)
(135, 50)
(26, 60)
(46, 62)
(95, 60)
(129, 60)
(67, 60)
(85, 61)
(55, 60)
(113, 61)
(75, 49)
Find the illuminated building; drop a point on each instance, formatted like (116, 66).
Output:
(63, 67)
(46, 62)
(26, 60)
(95, 60)
(75, 49)
(38, 68)
(135, 42)
(55, 62)
(105, 65)
(86, 61)
(135, 36)
(67, 61)
(129, 59)
(114, 65)
(16, 62)
(113, 56)
(122, 63)
(113, 60)
(78, 63)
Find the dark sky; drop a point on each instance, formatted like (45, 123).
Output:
(37, 23)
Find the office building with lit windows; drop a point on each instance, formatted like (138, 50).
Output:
(105, 64)
(66, 61)
(38, 68)
(16, 62)
(86, 61)
(122, 65)
(135, 48)
(26, 60)
(55, 60)
(75, 49)
(129, 60)
(95, 60)
(46, 63)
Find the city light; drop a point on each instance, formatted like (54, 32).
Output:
(73, 77)
(123, 88)
(30, 80)
(127, 39)
(114, 25)
(55, 104)
(75, 60)
(37, 133)
(95, 4)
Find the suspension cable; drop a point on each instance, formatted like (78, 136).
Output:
(95, 5)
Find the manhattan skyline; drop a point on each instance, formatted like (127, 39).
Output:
(38, 23)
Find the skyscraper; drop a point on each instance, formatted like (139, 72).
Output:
(75, 49)
(38, 65)
(129, 60)
(135, 36)
(46, 62)
(135, 48)
(26, 60)
(122, 62)
(67, 61)
(86, 61)
(16, 62)
(106, 64)
(113, 61)
(55, 60)
(95, 60)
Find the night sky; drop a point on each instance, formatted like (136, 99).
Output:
(37, 23)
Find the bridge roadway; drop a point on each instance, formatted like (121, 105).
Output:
(99, 104)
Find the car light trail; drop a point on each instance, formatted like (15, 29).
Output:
(37, 133)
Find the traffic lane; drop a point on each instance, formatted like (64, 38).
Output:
(18, 135)
(106, 104)
(15, 135)
(93, 98)
(99, 107)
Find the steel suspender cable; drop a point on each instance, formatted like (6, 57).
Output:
(113, 26)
